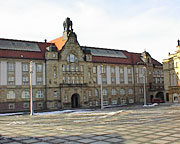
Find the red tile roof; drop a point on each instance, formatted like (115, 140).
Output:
(25, 54)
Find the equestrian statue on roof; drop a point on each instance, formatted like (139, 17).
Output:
(68, 25)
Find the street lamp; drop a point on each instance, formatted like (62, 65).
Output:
(101, 69)
(31, 90)
(144, 86)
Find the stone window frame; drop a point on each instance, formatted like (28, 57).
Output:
(11, 66)
(25, 67)
(39, 67)
(11, 106)
(39, 94)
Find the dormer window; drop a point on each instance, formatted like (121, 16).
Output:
(71, 58)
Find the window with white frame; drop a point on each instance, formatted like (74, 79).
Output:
(112, 70)
(68, 80)
(25, 80)
(11, 95)
(39, 68)
(114, 102)
(72, 67)
(113, 92)
(121, 70)
(97, 103)
(39, 94)
(95, 92)
(68, 68)
(63, 67)
(65, 99)
(130, 91)
(11, 66)
(25, 67)
(129, 79)
(89, 75)
(121, 79)
(25, 94)
(95, 79)
(39, 80)
(55, 72)
(94, 69)
(104, 80)
(77, 68)
(71, 58)
(90, 93)
(55, 94)
(90, 103)
(77, 80)
(84, 98)
(11, 80)
(64, 79)
(12, 106)
(73, 80)
(113, 80)
(82, 80)
(103, 69)
(82, 68)
(104, 91)
(122, 91)
(129, 71)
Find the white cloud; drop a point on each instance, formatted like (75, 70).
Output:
(36, 20)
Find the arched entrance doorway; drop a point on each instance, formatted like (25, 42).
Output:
(75, 100)
(160, 96)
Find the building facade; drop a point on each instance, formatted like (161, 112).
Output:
(68, 75)
(172, 75)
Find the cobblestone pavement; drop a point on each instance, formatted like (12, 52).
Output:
(128, 125)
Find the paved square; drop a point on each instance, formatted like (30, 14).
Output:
(122, 125)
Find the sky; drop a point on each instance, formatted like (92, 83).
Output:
(132, 25)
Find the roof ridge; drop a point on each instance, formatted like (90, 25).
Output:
(21, 40)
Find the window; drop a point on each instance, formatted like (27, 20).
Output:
(129, 79)
(130, 91)
(82, 68)
(94, 79)
(113, 92)
(105, 103)
(39, 94)
(141, 90)
(25, 94)
(73, 80)
(71, 58)
(64, 79)
(66, 99)
(103, 69)
(104, 91)
(11, 80)
(121, 79)
(68, 68)
(11, 66)
(113, 80)
(39, 80)
(90, 93)
(122, 91)
(112, 70)
(39, 68)
(89, 75)
(131, 100)
(90, 104)
(55, 72)
(72, 68)
(11, 95)
(55, 94)
(39, 105)
(129, 71)
(12, 106)
(77, 68)
(77, 80)
(25, 80)
(121, 70)
(68, 80)
(123, 100)
(114, 102)
(84, 98)
(54, 55)
(25, 67)
(25, 105)
(104, 80)
(97, 103)
(94, 69)
(82, 80)
(96, 92)
(63, 68)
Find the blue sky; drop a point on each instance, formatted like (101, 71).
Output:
(132, 25)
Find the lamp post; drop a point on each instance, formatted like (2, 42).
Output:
(102, 106)
(145, 86)
(31, 90)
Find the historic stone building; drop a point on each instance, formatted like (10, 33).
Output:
(171, 76)
(67, 75)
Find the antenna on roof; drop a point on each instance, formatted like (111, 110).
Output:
(45, 40)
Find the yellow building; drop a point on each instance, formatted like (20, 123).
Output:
(68, 75)
(171, 67)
